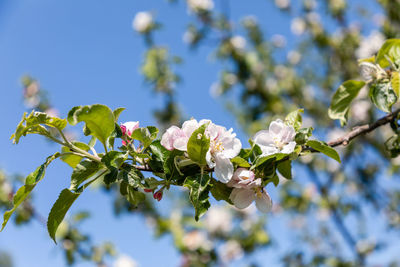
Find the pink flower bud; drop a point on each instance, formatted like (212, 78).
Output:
(148, 190)
(158, 195)
(127, 128)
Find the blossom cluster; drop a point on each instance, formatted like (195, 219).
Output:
(224, 146)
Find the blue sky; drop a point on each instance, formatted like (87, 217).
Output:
(85, 52)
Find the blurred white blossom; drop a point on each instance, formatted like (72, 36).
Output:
(231, 250)
(293, 57)
(142, 22)
(218, 220)
(282, 3)
(195, 240)
(278, 40)
(238, 42)
(298, 26)
(359, 110)
(125, 261)
(200, 5)
(370, 44)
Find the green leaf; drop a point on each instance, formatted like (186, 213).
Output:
(117, 112)
(383, 96)
(261, 160)
(198, 145)
(221, 191)
(389, 50)
(396, 83)
(83, 171)
(30, 182)
(199, 187)
(131, 176)
(113, 160)
(302, 135)
(134, 196)
(145, 135)
(33, 124)
(73, 160)
(99, 120)
(58, 211)
(341, 100)
(285, 168)
(294, 119)
(241, 162)
(324, 148)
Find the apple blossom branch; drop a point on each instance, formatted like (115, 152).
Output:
(343, 140)
(363, 129)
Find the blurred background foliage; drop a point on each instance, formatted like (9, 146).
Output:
(330, 210)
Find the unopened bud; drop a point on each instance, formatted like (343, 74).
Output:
(158, 195)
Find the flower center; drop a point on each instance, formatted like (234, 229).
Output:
(278, 143)
(216, 146)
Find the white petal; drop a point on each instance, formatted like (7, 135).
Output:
(232, 149)
(276, 127)
(242, 198)
(289, 148)
(268, 150)
(288, 134)
(181, 143)
(223, 168)
(263, 138)
(264, 203)
(210, 160)
(189, 127)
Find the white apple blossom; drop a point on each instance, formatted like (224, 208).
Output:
(282, 3)
(218, 220)
(143, 22)
(247, 189)
(200, 5)
(195, 240)
(278, 139)
(125, 261)
(223, 145)
(243, 197)
(231, 250)
(238, 42)
(370, 45)
(298, 26)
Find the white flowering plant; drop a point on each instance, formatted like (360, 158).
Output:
(201, 156)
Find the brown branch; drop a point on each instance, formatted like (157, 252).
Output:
(364, 129)
(343, 140)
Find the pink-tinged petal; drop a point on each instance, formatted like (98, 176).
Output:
(168, 138)
(123, 143)
(123, 129)
(188, 127)
(223, 168)
(181, 143)
(263, 202)
(263, 138)
(242, 198)
(276, 127)
(130, 127)
(289, 148)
